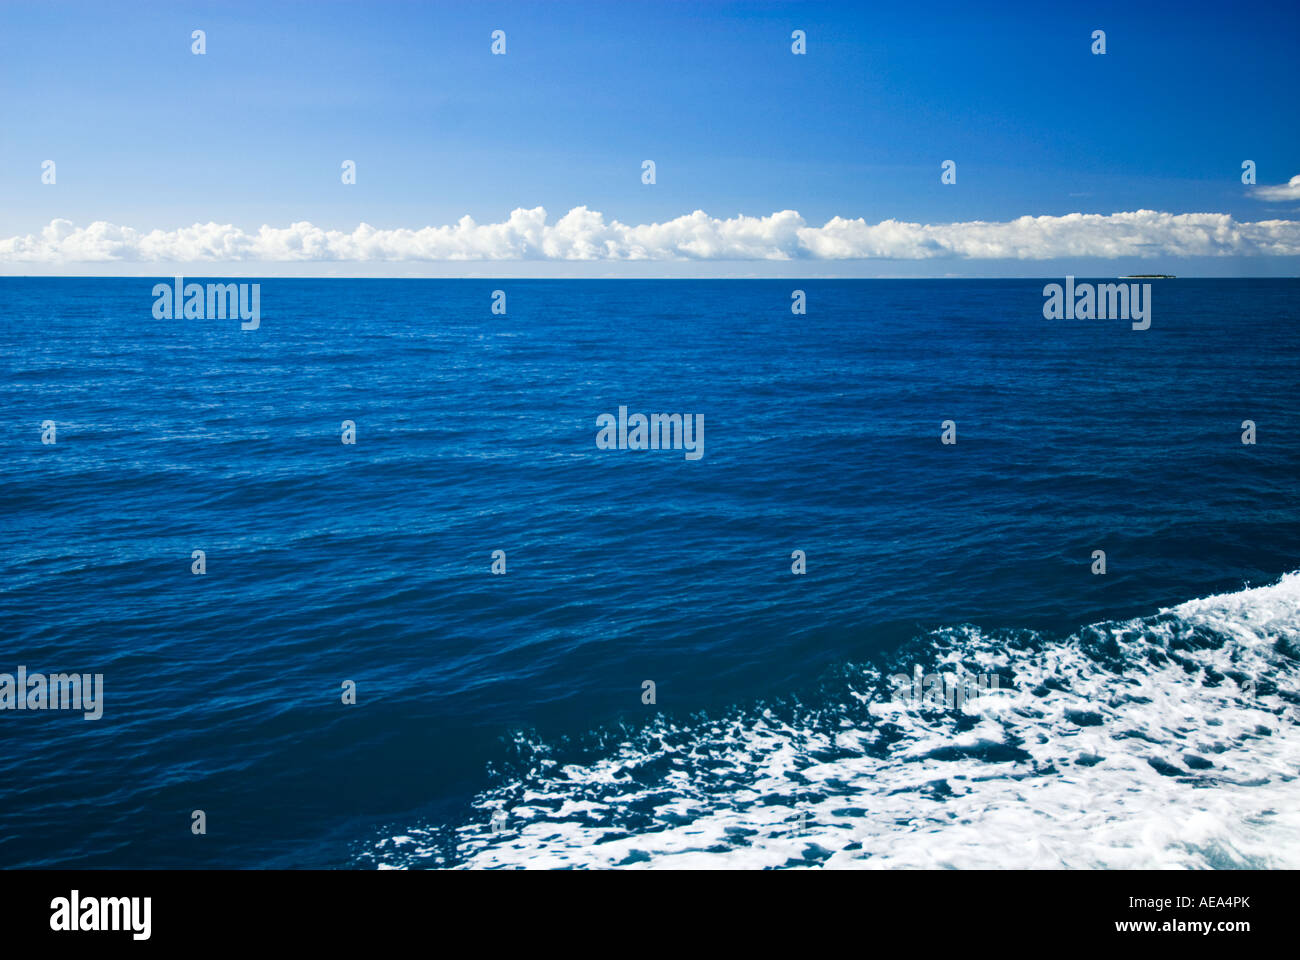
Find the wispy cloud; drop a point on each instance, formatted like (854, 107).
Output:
(1282, 192)
(584, 235)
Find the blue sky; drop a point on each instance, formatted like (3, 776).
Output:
(149, 136)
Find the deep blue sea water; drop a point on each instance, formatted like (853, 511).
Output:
(476, 432)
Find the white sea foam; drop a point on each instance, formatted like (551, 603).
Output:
(1168, 742)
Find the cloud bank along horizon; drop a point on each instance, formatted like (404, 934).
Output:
(583, 234)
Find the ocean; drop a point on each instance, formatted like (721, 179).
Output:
(649, 683)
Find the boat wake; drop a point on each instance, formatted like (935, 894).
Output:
(1171, 741)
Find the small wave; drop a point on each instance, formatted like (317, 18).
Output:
(1169, 741)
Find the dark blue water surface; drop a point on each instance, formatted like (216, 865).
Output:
(476, 432)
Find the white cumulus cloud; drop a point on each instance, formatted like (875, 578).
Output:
(1282, 192)
(584, 235)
